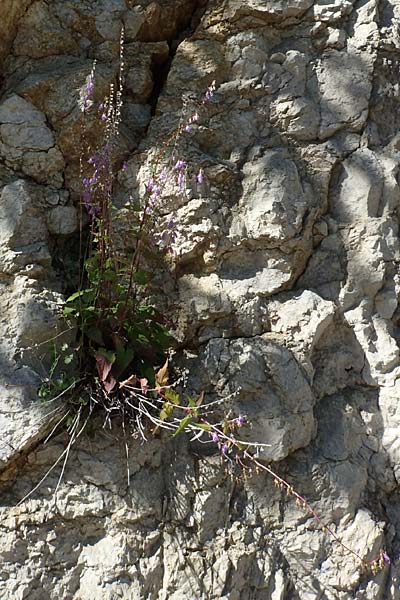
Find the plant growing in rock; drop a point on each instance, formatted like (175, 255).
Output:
(120, 329)
(122, 336)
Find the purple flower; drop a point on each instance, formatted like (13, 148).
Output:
(124, 166)
(155, 192)
(150, 185)
(87, 199)
(103, 117)
(89, 88)
(200, 176)
(92, 211)
(224, 449)
(386, 558)
(240, 421)
(181, 181)
(215, 437)
(180, 164)
(188, 128)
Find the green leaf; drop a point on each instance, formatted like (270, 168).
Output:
(146, 311)
(192, 402)
(124, 357)
(94, 334)
(141, 277)
(203, 426)
(109, 276)
(78, 294)
(166, 411)
(142, 339)
(172, 396)
(182, 425)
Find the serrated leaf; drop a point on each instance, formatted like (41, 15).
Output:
(166, 411)
(172, 396)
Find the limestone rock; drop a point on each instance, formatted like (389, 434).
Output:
(273, 204)
(303, 320)
(23, 231)
(269, 11)
(331, 11)
(41, 34)
(62, 220)
(269, 388)
(347, 102)
(283, 288)
(12, 11)
(27, 143)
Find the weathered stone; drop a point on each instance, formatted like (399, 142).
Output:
(284, 290)
(269, 388)
(12, 11)
(344, 97)
(62, 220)
(273, 204)
(27, 143)
(270, 11)
(41, 34)
(302, 319)
(331, 10)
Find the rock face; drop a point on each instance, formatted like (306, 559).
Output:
(284, 296)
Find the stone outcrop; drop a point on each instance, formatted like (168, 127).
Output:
(283, 292)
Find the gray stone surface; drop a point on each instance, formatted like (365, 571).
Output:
(283, 291)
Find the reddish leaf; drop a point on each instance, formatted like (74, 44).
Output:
(103, 367)
(110, 384)
(144, 384)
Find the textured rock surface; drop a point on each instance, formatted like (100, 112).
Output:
(284, 292)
